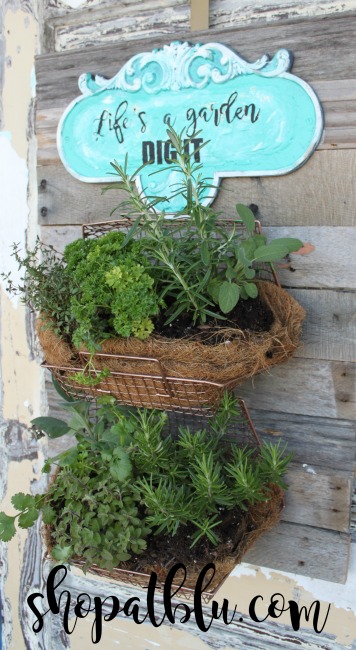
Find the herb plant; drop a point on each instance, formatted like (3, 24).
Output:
(200, 267)
(115, 293)
(126, 477)
(45, 286)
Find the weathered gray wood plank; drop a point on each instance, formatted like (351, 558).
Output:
(317, 442)
(331, 265)
(305, 386)
(329, 330)
(321, 193)
(316, 498)
(305, 550)
(309, 40)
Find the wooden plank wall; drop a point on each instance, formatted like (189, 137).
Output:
(310, 400)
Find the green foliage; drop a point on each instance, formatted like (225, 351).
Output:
(126, 476)
(116, 293)
(199, 267)
(45, 285)
(191, 478)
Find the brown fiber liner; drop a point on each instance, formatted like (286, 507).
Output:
(242, 355)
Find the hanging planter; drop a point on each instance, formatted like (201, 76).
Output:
(163, 300)
(144, 490)
(154, 489)
(160, 371)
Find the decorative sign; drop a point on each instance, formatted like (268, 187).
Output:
(257, 118)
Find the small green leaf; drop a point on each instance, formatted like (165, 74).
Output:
(48, 514)
(213, 289)
(61, 553)
(251, 289)
(27, 519)
(249, 273)
(249, 246)
(22, 501)
(61, 392)
(277, 249)
(205, 255)
(121, 469)
(7, 527)
(53, 427)
(247, 217)
(230, 273)
(228, 296)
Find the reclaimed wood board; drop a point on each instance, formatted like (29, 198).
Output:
(304, 386)
(309, 551)
(309, 39)
(332, 265)
(317, 442)
(316, 498)
(321, 193)
(329, 330)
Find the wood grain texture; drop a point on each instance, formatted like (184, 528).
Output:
(317, 442)
(304, 386)
(332, 265)
(329, 330)
(316, 498)
(321, 193)
(309, 39)
(305, 550)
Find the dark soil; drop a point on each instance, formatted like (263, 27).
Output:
(164, 551)
(249, 315)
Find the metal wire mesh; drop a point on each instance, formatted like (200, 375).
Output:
(180, 405)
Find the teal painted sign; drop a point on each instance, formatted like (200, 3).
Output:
(257, 118)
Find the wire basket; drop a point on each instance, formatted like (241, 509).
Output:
(178, 373)
(180, 398)
(241, 432)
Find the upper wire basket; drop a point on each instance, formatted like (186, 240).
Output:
(139, 380)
